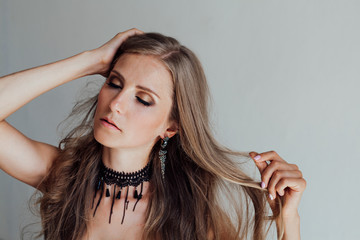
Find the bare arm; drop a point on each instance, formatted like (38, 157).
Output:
(19, 88)
(291, 227)
(21, 157)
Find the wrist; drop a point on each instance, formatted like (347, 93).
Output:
(290, 214)
(291, 221)
(91, 62)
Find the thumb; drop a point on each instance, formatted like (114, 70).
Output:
(261, 165)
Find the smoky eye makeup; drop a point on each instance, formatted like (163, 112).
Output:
(112, 85)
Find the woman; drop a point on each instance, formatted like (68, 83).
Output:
(143, 162)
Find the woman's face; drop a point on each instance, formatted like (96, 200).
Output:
(137, 98)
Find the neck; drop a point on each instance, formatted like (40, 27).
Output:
(122, 169)
(126, 160)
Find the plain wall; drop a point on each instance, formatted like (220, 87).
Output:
(284, 76)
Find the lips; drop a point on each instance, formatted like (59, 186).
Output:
(109, 121)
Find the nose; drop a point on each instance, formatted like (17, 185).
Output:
(119, 103)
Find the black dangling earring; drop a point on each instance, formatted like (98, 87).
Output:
(162, 156)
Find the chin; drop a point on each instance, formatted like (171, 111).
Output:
(104, 139)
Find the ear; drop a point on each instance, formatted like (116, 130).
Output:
(172, 129)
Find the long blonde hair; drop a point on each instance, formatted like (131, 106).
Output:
(207, 195)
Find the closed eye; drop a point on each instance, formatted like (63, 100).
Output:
(112, 85)
(143, 102)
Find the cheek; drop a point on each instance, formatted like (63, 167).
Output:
(102, 107)
(102, 98)
(103, 103)
(150, 122)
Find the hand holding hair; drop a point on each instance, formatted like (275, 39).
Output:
(185, 177)
(281, 179)
(105, 53)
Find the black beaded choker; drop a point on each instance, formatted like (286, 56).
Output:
(121, 179)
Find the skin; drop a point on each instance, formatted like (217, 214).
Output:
(127, 148)
(283, 180)
(140, 126)
(279, 177)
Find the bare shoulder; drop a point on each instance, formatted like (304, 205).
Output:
(23, 158)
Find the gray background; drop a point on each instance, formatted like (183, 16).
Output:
(283, 75)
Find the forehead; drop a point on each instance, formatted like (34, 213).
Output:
(145, 70)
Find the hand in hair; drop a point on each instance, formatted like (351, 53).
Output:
(281, 179)
(106, 52)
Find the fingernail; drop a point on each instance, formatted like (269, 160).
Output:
(271, 197)
(257, 157)
(262, 185)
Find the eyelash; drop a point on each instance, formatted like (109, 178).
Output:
(146, 104)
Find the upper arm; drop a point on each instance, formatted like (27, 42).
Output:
(23, 158)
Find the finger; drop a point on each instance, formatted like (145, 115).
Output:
(139, 31)
(273, 167)
(268, 156)
(260, 165)
(295, 184)
(136, 30)
(277, 177)
(130, 32)
(122, 36)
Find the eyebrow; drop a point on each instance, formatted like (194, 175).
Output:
(138, 86)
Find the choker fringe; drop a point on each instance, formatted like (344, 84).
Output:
(110, 177)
